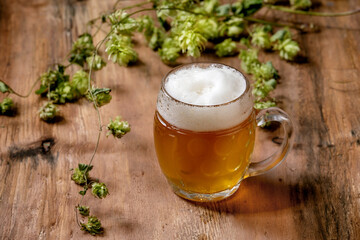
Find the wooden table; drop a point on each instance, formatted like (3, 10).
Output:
(315, 194)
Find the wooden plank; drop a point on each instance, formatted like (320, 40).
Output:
(313, 195)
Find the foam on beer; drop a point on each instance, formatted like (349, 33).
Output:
(202, 94)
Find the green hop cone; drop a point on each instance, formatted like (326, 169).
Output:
(249, 60)
(122, 24)
(260, 37)
(191, 42)
(82, 48)
(99, 96)
(289, 49)
(208, 27)
(84, 210)
(48, 111)
(64, 92)
(6, 106)
(93, 226)
(169, 50)
(96, 62)
(118, 128)
(80, 82)
(225, 48)
(264, 104)
(81, 173)
(99, 190)
(119, 49)
(266, 71)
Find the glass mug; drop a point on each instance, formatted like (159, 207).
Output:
(201, 152)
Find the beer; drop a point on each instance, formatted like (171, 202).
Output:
(204, 128)
(204, 131)
(204, 162)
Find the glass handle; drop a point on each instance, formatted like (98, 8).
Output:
(273, 115)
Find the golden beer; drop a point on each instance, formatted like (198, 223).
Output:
(204, 162)
(204, 131)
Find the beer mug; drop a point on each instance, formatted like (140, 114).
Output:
(204, 131)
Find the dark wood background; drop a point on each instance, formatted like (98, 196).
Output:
(315, 194)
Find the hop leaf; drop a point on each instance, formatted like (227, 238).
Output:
(6, 106)
(120, 50)
(48, 111)
(84, 210)
(169, 50)
(225, 48)
(82, 48)
(81, 173)
(80, 82)
(93, 226)
(100, 96)
(118, 128)
(96, 62)
(4, 88)
(99, 190)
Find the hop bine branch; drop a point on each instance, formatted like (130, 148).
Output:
(180, 27)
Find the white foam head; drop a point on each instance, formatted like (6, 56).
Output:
(204, 97)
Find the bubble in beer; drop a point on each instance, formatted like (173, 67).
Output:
(205, 99)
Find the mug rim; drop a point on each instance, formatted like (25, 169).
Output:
(175, 69)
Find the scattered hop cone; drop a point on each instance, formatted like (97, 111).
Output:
(48, 112)
(118, 128)
(191, 42)
(80, 81)
(99, 190)
(100, 96)
(84, 210)
(288, 49)
(208, 27)
(81, 173)
(225, 48)
(93, 226)
(260, 37)
(264, 105)
(120, 50)
(169, 50)
(82, 48)
(96, 62)
(6, 106)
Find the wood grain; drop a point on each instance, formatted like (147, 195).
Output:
(315, 194)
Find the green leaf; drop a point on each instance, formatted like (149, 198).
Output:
(41, 90)
(82, 192)
(4, 88)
